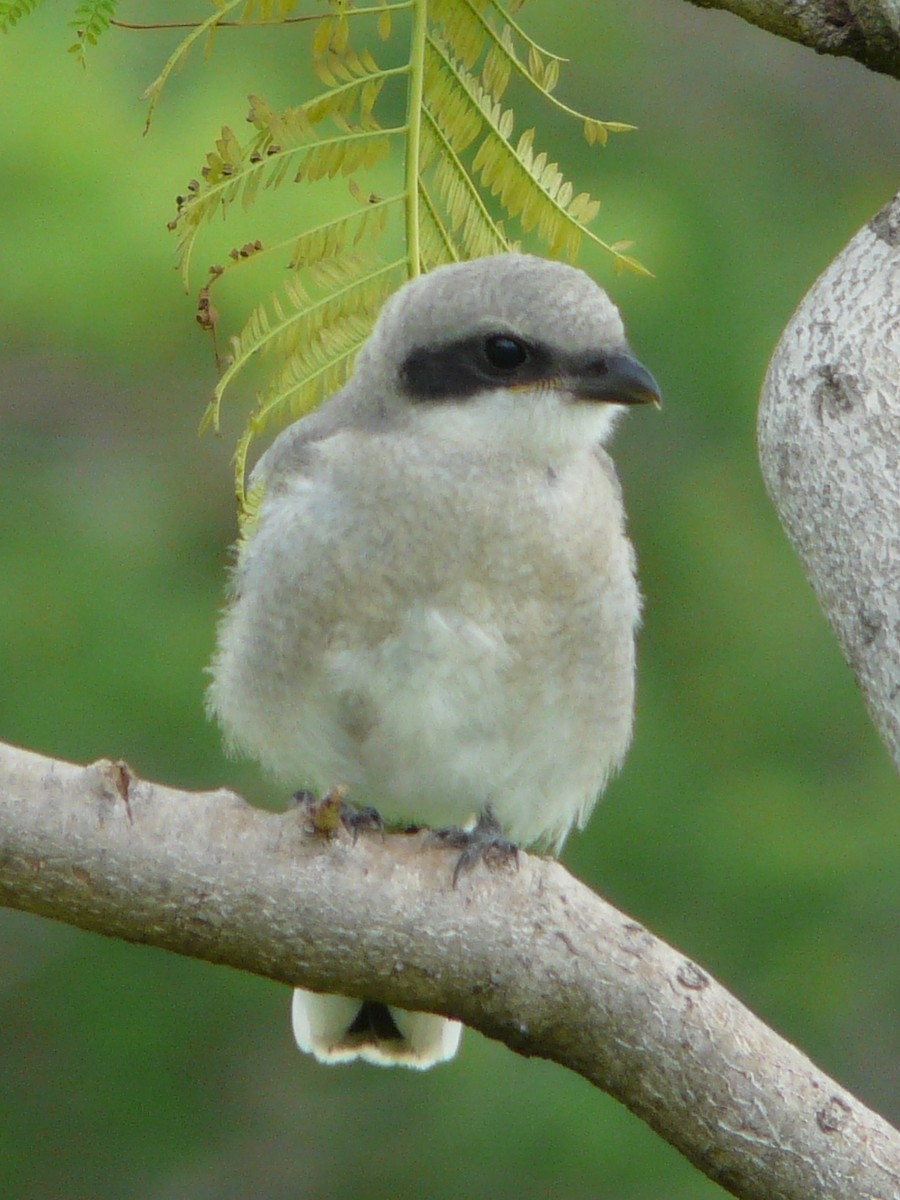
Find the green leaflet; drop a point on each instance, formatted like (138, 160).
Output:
(90, 22)
(12, 12)
(461, 176)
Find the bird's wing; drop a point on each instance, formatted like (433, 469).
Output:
(292, 452)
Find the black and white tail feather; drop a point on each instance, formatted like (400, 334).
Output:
(339, 1029)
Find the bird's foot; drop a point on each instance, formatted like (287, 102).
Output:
(327, 815)
(485, 843)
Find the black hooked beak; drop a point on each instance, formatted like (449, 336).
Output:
(614, 379)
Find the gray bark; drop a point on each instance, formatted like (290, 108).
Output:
(530, 957)
(867, 30)
(829, 445)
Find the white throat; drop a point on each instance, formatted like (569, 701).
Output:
(535, 423)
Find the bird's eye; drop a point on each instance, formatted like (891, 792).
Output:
(505, 353)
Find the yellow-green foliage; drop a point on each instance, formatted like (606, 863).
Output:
(463, 175)
(12, 11)
(90, 20)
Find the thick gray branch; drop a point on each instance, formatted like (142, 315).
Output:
(530, 957)
(829, 445)
(867, 30)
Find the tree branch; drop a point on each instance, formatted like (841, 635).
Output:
(867, 30)
(531, 957)
(829, 446)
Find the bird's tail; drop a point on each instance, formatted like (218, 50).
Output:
(338, 1029)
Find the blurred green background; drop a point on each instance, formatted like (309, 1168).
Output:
(756, 823)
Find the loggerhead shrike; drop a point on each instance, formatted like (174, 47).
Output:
(437, 606)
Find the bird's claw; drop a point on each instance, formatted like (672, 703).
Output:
(485, 843)
(366, 818)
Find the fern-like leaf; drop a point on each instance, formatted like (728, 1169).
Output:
(437, 246)
(476, 233)
(465, 175)
(90, 23)
(505, 15)
(323, 338)
(329, 239)
(463, 23)
(284, 147)
(528, 186)
(12, 12)
(178, 57)
(292, 320)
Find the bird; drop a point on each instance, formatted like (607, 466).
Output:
(435, 610)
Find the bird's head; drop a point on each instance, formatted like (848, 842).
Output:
(512, 347)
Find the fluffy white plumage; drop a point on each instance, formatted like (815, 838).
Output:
(437, 606)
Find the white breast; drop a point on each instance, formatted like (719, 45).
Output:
(434, 646)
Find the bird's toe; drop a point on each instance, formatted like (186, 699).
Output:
(484, 843)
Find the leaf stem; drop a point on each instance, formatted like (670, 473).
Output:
(255, 344)
(466, 181)
(414, 132)
(439, 224)
(358, 214)
(514, 61)
(214, 194)
(350, 12)
(504, 16)
(154, 91)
